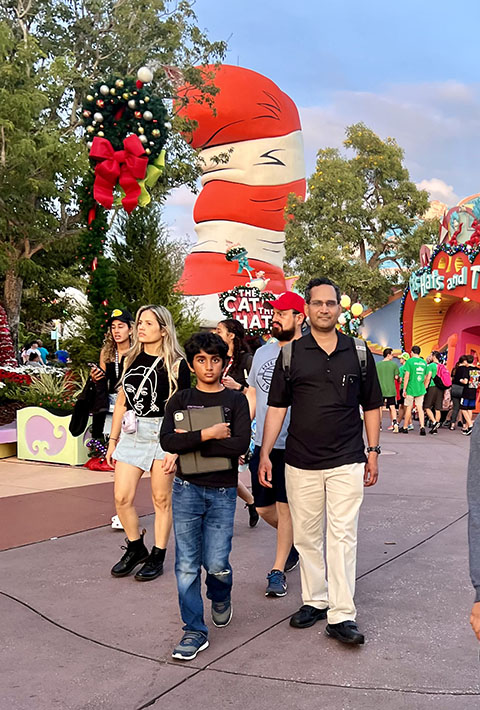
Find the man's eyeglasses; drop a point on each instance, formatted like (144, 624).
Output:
(319, 304)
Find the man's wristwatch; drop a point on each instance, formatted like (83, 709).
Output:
(374, 448)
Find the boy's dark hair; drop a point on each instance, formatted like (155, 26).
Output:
(416, 349)
(469, 359)
(387, 352)
(210, 343)
(462, 358)
(436, 354)
(322, 281)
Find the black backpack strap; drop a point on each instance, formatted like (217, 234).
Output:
(361, 349)
(286, 355)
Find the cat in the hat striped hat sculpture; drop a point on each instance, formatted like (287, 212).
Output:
(242, 201)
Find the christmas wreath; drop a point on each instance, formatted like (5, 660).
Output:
(126, 129)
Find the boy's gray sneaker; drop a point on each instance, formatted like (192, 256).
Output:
(277, 584)
(192, 642)
(222, 613)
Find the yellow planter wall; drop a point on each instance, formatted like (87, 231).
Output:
(42, 436)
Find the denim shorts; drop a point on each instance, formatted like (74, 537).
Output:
(141, 448)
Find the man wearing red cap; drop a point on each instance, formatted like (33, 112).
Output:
(271, 497)
(326, 468)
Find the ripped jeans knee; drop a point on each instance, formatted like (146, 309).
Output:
(219, 584)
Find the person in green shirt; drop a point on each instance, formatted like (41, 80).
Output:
(388, 372)
(434, 396)
(401, 400)
(414, 388)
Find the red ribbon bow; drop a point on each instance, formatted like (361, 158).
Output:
(126, 166)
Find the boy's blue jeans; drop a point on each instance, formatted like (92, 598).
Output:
(203, 523)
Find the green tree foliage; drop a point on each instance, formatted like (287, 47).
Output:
(360, 223)
(51, 52)
(148, 265)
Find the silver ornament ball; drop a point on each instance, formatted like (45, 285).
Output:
(144, 75)
(104, 90)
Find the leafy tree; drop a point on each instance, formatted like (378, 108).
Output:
(360, 223)
(148, 265)
(51, 52)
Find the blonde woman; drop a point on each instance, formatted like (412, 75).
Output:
(154, 370)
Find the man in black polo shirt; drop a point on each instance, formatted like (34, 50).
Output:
(326, 466)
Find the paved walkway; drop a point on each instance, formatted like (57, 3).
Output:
(75, 638)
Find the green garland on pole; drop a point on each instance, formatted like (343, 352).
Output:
(101, 285)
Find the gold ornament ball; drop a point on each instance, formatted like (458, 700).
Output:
(155, 133)
(357, 309)
(148, 151)
(119, 83)
(101, 134)
(345, 301)
(147, 99)
(125, 95)
(90, 97)
(141, 130)
(90, 129)
(112, 91)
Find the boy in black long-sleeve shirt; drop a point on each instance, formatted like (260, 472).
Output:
(204, 504)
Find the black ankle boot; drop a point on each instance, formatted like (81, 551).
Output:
(135, 553)
(153, 567)
(253, 516)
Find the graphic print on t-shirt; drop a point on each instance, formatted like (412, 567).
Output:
(473, 378)
(145, 404)
(265, 374)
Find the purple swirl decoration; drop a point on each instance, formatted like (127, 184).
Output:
(42, 434)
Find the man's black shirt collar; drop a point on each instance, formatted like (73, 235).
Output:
(343, 343)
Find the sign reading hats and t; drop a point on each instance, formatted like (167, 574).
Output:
(249, 306)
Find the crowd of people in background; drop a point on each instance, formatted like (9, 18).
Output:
(423, 389)
(34, 354)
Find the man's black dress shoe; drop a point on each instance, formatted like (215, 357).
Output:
(307, 616)
(346, 632)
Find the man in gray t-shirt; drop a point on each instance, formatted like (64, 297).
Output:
(260, 377)
(270, 496)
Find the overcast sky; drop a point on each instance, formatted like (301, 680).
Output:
(408, 70)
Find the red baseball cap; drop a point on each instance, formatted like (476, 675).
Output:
(288, 300)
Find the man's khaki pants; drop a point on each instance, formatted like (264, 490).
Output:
(339, 492)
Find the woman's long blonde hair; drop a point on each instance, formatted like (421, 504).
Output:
(169, 350)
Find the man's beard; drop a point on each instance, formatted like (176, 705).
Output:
(282, 334)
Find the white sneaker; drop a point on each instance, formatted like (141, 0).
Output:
(116, 524)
